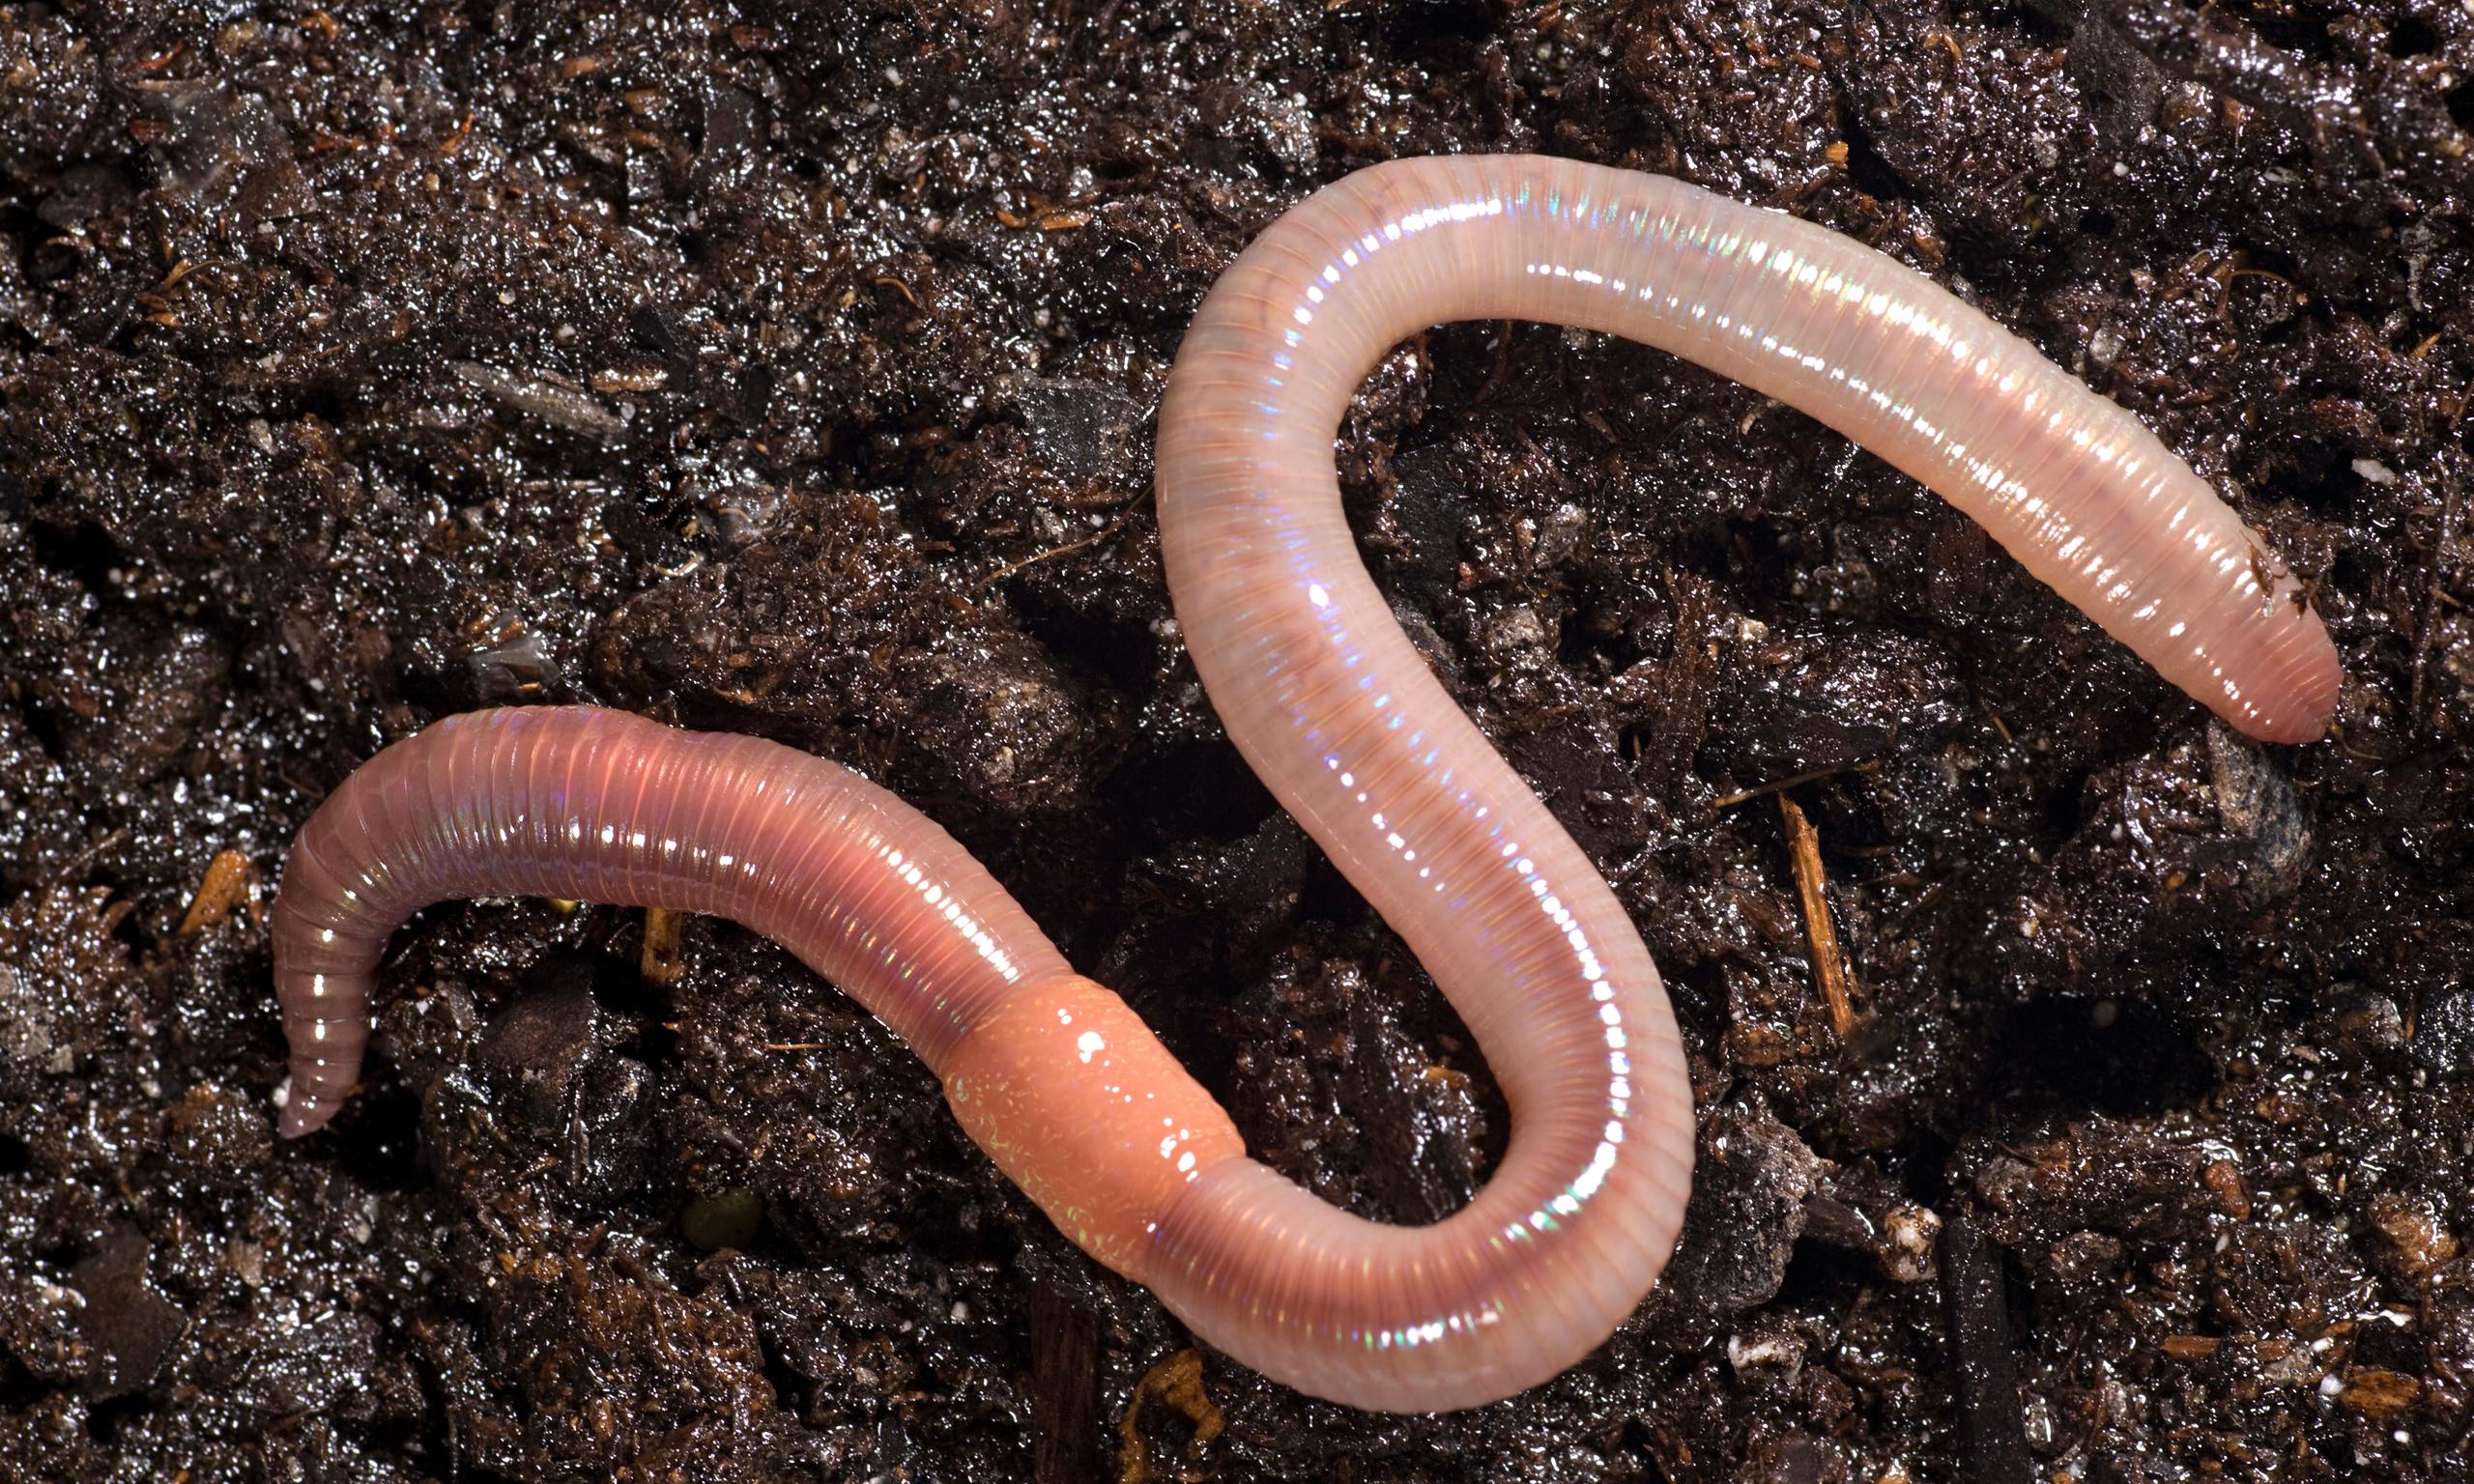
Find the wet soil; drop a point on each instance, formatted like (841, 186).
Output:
(789, 368)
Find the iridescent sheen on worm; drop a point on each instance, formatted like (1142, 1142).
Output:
(1050, 1072)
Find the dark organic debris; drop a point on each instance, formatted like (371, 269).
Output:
(1065, 1388)
(1984, 1356)
(789, 368)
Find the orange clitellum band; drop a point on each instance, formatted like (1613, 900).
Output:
(1079, 1104)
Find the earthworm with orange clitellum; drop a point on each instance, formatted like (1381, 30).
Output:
(1319, 689)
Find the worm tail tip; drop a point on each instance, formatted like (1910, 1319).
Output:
(299, 1115)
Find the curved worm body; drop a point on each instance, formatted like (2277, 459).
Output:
(1050, 1072)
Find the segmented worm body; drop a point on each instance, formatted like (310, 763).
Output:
(1050, 1072)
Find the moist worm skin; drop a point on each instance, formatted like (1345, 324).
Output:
(1050, 1072)
(1341, 717)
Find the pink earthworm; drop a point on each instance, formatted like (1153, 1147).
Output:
(1052, 1075)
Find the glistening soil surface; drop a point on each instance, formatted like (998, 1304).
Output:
(789, 370)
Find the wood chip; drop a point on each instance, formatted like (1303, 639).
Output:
(1830, 963)
(2377, 1393)
(230, 882)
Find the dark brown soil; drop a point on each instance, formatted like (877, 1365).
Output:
(788, 368)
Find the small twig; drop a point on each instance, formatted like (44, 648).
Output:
(1731, 800)
(1830, 966)
(662, 961)
(1093, 539)
(67, 869)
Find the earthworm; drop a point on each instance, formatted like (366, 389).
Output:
(1321, 692)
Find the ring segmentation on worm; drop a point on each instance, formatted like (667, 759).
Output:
(1050, 1072)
